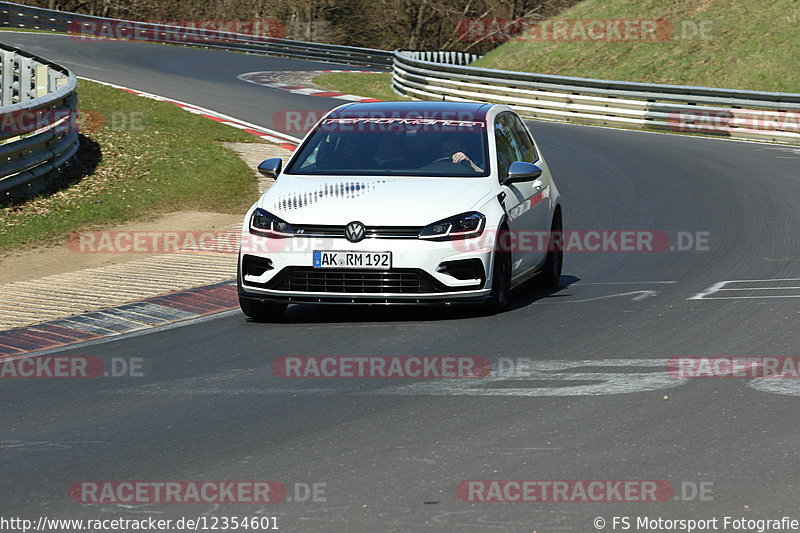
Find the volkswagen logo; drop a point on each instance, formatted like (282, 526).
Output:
(355, 232)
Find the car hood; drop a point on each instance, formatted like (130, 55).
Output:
(374, 201)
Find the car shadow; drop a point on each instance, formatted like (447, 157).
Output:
(528, 293)
(521, 297)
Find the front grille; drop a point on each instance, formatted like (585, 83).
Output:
(398, 281)
(379, 232)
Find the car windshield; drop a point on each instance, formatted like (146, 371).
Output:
(394, 146)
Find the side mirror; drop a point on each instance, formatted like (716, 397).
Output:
(270, 168)
(521, 171)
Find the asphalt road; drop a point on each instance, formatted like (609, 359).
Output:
(202, 77)
(391, 452)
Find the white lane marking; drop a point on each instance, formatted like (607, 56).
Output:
(352, 97)
(301, 82)
(226, 391)
(21, 32)
(144, 508)
(620, 282)
(712, 293)
(777, 385)
(307, 91)
(640, 295)
(416, 459)
(41, 445)
(748, 297)
(758, 288)
(499, 382)
(711, 290)
(783, 149)
(510, 377)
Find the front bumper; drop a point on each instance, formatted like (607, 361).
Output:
(361, 299)
(422, 272)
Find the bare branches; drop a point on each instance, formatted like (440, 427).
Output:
(385, 24)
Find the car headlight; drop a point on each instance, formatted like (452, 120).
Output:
(463, 226)
(265, 223)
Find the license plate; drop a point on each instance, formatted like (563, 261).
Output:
(343, 259)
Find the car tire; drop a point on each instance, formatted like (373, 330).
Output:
(501, 277)
(551, 271)
(262, 311)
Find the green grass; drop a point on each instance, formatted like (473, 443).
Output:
(750, 45)
(156, 158)
(370, 85)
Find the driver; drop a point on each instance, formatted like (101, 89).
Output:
(454, 151)
(389, 154)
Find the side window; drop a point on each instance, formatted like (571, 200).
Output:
(507, 147)
(527, 148)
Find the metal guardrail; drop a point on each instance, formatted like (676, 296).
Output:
(752, 115)
(37, 118)
(89, 27)
(764, 116)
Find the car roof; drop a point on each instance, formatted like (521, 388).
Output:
(447, 110)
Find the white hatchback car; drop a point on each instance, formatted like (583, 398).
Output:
(403, 203)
